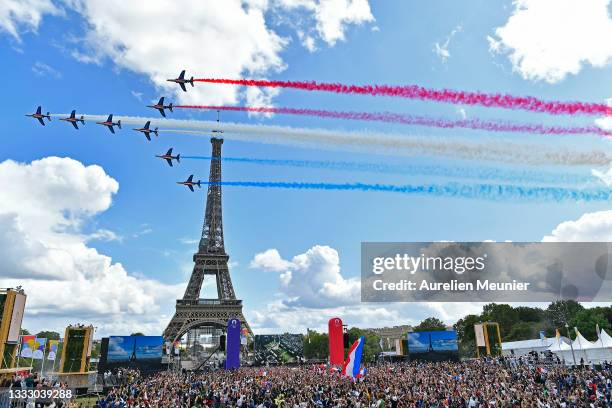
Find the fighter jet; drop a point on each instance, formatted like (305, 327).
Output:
(109, 123)
(147, 132)
(169, 157)
(182, 81)
(38, 115)
(160, 106)
(74, 120)
(190, 183)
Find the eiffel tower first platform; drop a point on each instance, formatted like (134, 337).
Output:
(192, 312)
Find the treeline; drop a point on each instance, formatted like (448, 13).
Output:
(515, 323)
(524, 323)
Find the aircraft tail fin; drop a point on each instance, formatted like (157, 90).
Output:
(191, 81)
(119, 123)
(155, 131)
(48, 116)
(170, 107)
(199, 183)
(82, 120)
(178, 158)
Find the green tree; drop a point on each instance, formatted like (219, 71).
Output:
(371, 347)
(137, 334)
(521, 331)
(430, 324)
(503, 314)
(316, 345)
(24, 332)
(562, 311)
(49, 335)
(586, 320)
(466, 336)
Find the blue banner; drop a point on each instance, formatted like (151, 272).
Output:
(233, 344)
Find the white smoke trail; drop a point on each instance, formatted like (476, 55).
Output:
(410, 145)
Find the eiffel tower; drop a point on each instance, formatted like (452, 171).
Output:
(192, 312)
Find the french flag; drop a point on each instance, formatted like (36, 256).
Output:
(352, 365)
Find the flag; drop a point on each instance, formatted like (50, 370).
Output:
(542, 335)
(362, 372)
(598, 330)
(352, 365)
(577, 332)
(27, 346)
(39, 348)
(381, 344)
(53, 344)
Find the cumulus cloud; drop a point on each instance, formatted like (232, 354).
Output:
(42, 212)
(590, 227)
(550, 39)
(311, 279)
(331, 17)
(228, 39)
(17, 16)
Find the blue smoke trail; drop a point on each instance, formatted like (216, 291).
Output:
(482, 173)
(474, 191)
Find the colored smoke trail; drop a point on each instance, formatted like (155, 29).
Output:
(473, 191)
(506, 101)
(474, 124)
(480, 172)
(390, 144)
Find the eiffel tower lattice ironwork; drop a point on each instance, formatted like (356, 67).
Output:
(211, 259)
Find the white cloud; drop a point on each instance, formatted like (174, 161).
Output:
(42, 69)
(441, 48)
(311, 279)
(44, 205)
(332, 17)
(549, 39)
(223, 39)
(17, 16)
(606, 121)
(590, 227)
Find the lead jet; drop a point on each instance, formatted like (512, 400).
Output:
(38, 115)
(147, 132)
(182, 81)
(109, 123)
(190, 183)
(74, 120)
(169, 157)
(160, 106)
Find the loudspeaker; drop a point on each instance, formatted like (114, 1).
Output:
(222, 342)
(346, 340)
(103, 355)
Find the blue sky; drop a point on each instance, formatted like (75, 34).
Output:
(74, 58)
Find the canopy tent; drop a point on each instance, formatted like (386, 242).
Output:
(582, 349)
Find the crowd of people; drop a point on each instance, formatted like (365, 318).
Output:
(476, 383)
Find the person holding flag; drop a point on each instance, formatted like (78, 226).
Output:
(352, 365)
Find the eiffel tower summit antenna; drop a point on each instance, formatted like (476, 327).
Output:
(195, 314)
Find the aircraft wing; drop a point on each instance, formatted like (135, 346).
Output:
(41, 121)
(148, 136)
(111, 129)
(182, 84)
(75, 125)
(162, 112)
(190, 187)
(169, 162)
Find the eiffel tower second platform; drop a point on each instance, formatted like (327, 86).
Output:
(211, 259)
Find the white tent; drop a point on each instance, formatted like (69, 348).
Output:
(582, 349)
(601, 349)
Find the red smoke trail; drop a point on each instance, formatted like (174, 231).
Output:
(506, 101)
(475, 124)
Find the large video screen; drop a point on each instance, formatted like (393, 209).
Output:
(132, 348)
(278, 348)
(433, 345)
